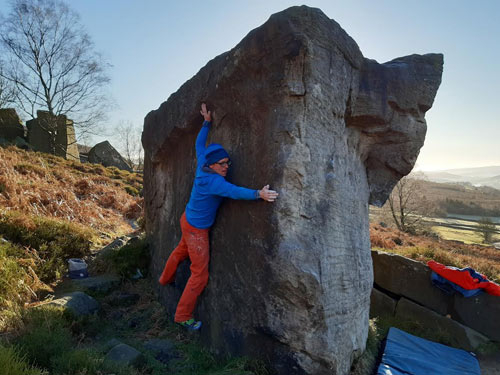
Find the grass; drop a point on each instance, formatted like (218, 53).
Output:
(465, 236)
(13, 363)
(49, 342)
(52, 242)
(127, 259)
(40, 184)
(16, 285)
(57, 343)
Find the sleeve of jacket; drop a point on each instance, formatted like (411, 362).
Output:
(219, 186)
(201, 140)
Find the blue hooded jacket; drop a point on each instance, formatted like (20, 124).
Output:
(210, 188)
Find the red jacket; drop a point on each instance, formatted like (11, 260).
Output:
(464, 278)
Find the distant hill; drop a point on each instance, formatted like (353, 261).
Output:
(481, 176)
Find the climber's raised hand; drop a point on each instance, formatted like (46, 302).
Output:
(206, 114)
(268, 195)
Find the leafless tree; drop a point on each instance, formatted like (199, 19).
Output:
(52, 64)
(7, 93)
(407, 204)
(487, 228)
(129, 140)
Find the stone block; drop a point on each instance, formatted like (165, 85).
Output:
(480, 312)
(409, 278)
(460, 336)
(53, 134)
(66, 140)
(381, 304)
(10, 124)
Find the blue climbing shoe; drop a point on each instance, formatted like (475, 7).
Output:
(191, 324)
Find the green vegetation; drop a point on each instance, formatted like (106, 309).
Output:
(455, 234)
(57, 343)
(47, 341)
(487, 229)
(365, 364)
(53, 241)
(14, 284)
(130, 258)
(12, 363)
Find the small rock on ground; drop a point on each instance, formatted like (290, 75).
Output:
(124, 354)
(163, 349)
(78, 303)
(101, 283)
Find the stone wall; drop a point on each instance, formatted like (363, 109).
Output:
(403, 288)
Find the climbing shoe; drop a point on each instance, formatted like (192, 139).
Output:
(191, 325)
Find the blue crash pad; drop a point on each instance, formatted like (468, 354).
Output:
(406, 354)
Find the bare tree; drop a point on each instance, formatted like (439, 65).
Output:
(407, 204)
(487, 228)
(129, 139)
(52, 63)
(7, 92)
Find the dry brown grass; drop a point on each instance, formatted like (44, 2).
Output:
(484, 259)
(45, 185)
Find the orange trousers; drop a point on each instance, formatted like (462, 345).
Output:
(193, 244)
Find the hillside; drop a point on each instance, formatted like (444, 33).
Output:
(40, 184)
(482, 176)
(461, 198)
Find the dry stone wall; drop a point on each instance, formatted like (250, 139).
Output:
(403, 288)
(299, 107)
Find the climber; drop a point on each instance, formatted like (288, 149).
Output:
(208, 190)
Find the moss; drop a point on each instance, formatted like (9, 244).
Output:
(130, 190)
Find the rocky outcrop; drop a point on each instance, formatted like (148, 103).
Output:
(298, 107)
(105, 154)
(53, 134)
(11, 126)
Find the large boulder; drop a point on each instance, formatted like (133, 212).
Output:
(299, 107)
(105, 154)
(11, 126)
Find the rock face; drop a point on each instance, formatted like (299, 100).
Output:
(299, 107)
(105, 154)
(10, 124)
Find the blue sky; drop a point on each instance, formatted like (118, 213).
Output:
(156, 45)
